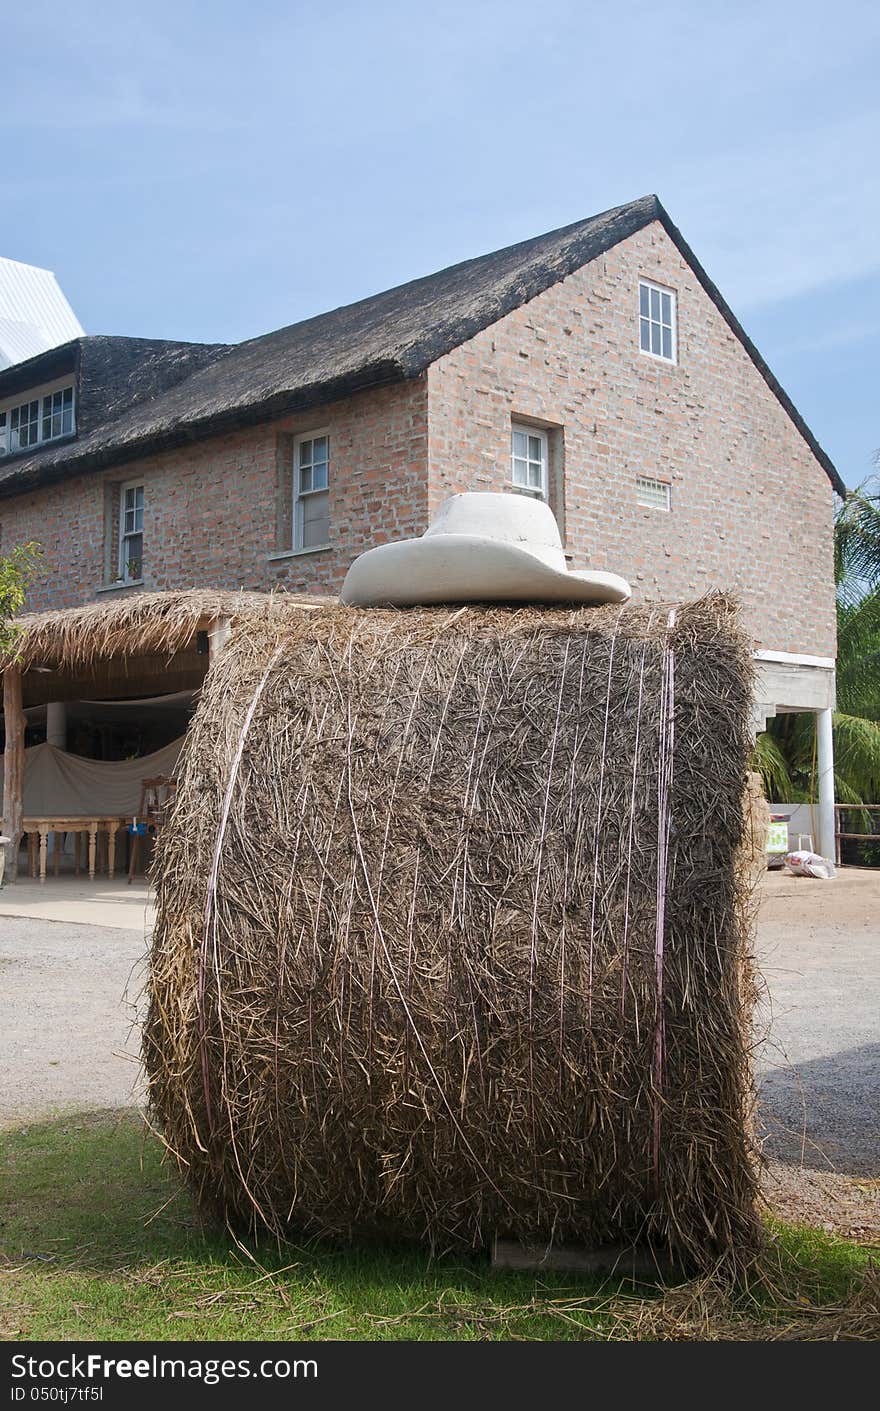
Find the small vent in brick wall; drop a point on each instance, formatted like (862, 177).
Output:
(654, 494)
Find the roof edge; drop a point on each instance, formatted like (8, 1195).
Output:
(381, 374)
(623, 222)
(736, 328)
(632, 217)
(22, 372)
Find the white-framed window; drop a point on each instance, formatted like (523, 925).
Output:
(46, 415)
(57, 414)
(311, 491)
(24, 425)
(653, 494)
(131, 532)
(529, 459)
(657, 335)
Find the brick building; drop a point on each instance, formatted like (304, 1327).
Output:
(597, 366)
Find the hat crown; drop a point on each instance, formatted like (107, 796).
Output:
(521, 520)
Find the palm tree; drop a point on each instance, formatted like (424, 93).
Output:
(786, 755)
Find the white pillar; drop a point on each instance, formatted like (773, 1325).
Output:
(56, 724)
(825, 767)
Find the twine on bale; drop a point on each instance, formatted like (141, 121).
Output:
(664, 825)
(630, 828)
(429, 1002)
(599, 803)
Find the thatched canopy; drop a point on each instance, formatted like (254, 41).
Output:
(160, 624)
(141, 644)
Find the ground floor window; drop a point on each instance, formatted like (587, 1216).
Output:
(131, 532)
(311, 491)
(529, 459)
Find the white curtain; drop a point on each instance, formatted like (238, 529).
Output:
(58, 785)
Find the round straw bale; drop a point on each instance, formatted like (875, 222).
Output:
(451, 934)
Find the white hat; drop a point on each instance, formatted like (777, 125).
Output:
(479, 548)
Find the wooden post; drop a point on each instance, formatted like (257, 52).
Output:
(13, 766)
(218, 636)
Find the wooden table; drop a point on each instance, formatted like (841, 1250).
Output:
(40, 828)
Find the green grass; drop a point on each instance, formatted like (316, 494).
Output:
(99, 1241)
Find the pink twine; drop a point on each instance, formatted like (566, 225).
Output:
(624, 968)
(664, 822)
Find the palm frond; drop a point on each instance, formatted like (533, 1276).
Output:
(858, 661)
(857, 758)
(844, 792)
(857, 540)
(788, 751)
(769, 761)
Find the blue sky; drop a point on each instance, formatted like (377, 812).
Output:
(212, 171)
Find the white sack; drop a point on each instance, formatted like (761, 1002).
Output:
(810, 864)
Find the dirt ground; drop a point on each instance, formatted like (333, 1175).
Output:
(818, 1068)
(67, 1042)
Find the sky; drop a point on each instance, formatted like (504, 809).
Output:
(212, 171)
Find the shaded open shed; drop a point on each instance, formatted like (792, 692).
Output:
(145, 654)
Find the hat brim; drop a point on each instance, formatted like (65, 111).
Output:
(466, 568)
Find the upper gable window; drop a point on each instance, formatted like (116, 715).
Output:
(528, 459)
(657, 321)
(44, 417)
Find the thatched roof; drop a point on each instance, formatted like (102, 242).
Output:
(73, 639)
(387, 338)
(114, 374)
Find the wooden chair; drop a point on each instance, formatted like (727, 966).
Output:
(157, 796)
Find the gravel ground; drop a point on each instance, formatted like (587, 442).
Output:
(67, 1043)
(66, 1037)
(818, 947)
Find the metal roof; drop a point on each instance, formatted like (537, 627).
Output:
(34, 314)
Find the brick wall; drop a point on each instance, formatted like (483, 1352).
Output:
(216, 513)
(751, 507)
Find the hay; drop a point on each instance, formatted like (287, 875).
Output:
(706, 1309)
(450, 937)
